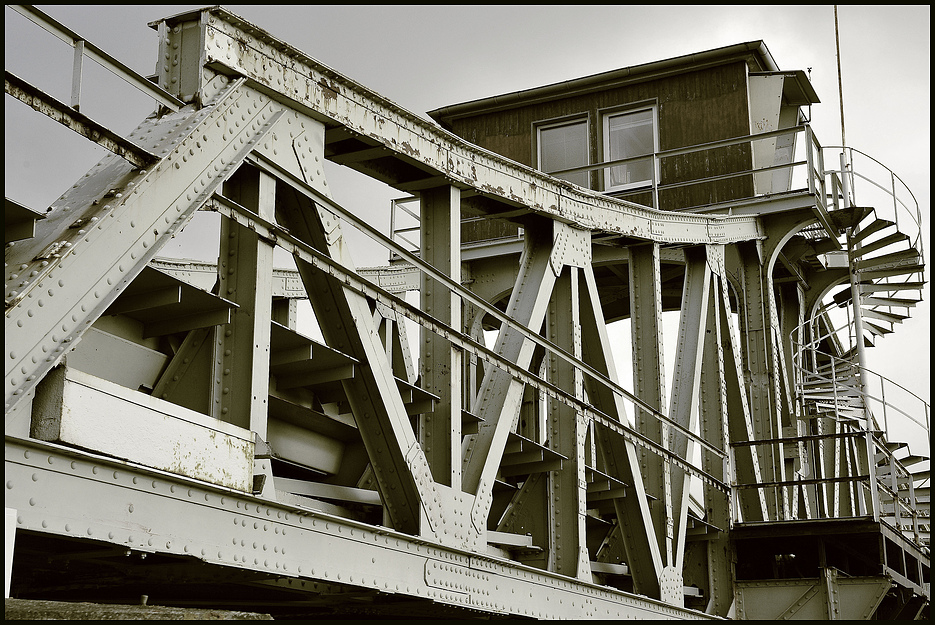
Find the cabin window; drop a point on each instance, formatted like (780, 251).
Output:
(628, 135)
(564, 146)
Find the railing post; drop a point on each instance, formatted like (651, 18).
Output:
(872, 474)
(844, 186)
(858, 321)
(895, 202)
(393, 220)
(809, 158)
(76, 74)
(886, 424)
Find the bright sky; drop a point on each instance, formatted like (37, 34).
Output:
(423, 58)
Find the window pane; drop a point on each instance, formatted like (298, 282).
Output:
(629, 135)
(564, 147)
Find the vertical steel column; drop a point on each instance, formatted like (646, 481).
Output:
(865, 445)
(567, 430)
(440, 362)
(793, 316)
(786, 315)
(240, 366)
(752, 502)
(649, 383)
(715, 430)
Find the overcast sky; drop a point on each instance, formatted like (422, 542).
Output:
(426, 57)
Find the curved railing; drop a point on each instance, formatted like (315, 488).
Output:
(882, 485)
(906, 214)
(806, 355)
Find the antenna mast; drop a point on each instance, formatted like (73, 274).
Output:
(837, 47)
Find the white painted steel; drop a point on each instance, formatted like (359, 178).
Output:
(157, 512)
(87, 412)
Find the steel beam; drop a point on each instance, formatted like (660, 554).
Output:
(714, 425)
(500, 395)
(684, 405)
(619, 455)
(117, 231)
(649, 383)
(566, 433)
(347, 325)
(240, 363)
(440, 361)
(157, 512)
(78, 122)
(287, 72)
(756, 333)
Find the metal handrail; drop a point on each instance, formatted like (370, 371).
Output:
(699, 147)
(83, 48)
(914, 214)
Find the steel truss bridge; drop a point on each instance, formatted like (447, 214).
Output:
(171, 432)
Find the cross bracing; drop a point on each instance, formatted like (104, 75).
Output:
(525, 464)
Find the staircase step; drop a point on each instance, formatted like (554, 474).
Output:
(912, 459)
(842, 298)
(878, 244)
(842, 411)
(849, 217)
(889, 273)
(883, 316)
(889, 286)
(841, 394)
(889, 301)
(875, 226)
(826, 382)
(842, 367)
(887, 261)
(843, 371)
(875, 329)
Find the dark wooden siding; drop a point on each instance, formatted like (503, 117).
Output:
(696, 107)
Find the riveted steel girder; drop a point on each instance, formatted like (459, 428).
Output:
(75, 494)
(104, 231)
(373, 395)
(645, 284)
(440, 362)
(566, 430)
(240, 376)
(714, 427)
(233, 46)
(685, 388)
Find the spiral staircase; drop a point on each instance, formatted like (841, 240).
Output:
(862, 418)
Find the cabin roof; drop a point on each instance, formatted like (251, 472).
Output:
(755, 53)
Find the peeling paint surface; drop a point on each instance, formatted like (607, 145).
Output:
(107, 418)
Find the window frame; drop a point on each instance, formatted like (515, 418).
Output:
(605, 116)
(557, 122)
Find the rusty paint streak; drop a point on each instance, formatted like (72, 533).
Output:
(329, 91)
(408, 149)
